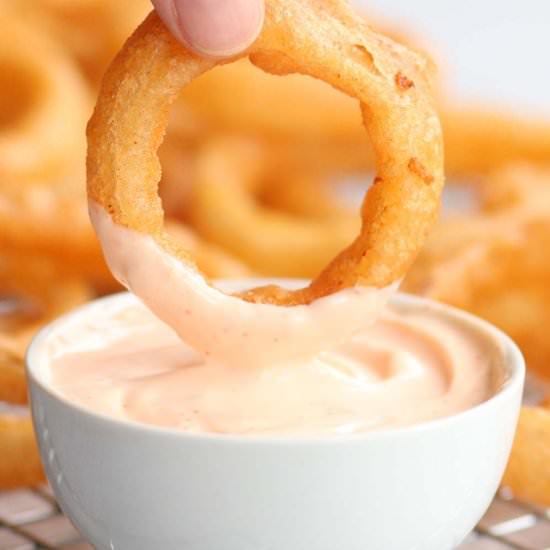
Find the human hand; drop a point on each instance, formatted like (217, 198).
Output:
(213, 28)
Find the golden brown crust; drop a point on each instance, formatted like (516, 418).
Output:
(299, 36)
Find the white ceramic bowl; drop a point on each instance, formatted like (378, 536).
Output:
(128, 486)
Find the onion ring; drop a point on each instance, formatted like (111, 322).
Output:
(224, 210)
(31, 294)
(20, 464)
(333, 45)
(13, 388)
(480, 139)
(37, 93)
(320, 127)
(34, 222)
(491, 263)
(304, 196)
(528, 474)
(212, 260)
(91, 31)
(516, 188)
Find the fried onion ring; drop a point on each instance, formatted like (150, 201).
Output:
(481, 139)
(212, 260)
(91, 31)
(304, 196)
(40, 90)
(493, 263)
(528, 471)
(34, 222)
(324, 41)
(225, 210)
(20, 465)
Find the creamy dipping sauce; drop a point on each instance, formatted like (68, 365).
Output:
(217, 324)
(411, 366)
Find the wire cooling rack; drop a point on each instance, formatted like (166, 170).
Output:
(31, 520)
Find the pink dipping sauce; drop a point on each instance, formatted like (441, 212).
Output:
(407, 368)
(341, 365)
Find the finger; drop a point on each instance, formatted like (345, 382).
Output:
(213, 28)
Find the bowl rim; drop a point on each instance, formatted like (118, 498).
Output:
(513, 383)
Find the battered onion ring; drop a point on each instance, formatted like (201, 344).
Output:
(480, 139)
(40, 90)
(516, 188)
(49, 221)
(13, 388)
(225, 211)
(493, 263)
(528, 472)
(305, 196)
(325, 41)
(20, 464)
(305, 120)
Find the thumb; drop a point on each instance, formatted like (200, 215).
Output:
(213, 28)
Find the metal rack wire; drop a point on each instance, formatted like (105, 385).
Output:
(31, 520)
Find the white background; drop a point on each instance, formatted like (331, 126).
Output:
(488, 50)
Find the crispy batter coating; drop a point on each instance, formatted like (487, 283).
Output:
(299, 36)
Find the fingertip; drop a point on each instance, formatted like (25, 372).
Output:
(213, 28)
(166, 10)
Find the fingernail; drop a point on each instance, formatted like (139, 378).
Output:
(219, 28)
